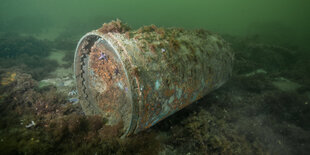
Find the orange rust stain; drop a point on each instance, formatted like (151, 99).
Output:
(152, 48)
(174, 105)
(189, 91)
(148, 126)
(105, 69)
(158, 109)
(169, 92)
(146, 92)
(146, 109)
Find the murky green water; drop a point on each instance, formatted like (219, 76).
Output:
(285, 20)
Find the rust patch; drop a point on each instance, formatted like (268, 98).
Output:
(146, 91)
(169, 92)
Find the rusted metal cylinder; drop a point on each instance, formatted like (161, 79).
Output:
(135, 78)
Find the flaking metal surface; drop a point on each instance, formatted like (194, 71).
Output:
(140, 77)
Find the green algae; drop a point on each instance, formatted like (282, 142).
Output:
(247, 116)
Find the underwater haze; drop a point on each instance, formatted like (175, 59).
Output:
(284, 20)
(264, 108)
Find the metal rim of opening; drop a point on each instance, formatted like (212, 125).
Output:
(130, 128)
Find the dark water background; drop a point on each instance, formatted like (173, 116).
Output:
(263, 109)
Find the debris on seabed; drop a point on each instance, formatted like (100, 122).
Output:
(72, 93)
(74, 100)
(31, 124)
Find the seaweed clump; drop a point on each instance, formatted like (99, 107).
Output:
(58, 126)
(114, 26)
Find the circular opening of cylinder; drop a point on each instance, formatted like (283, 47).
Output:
(103, 83)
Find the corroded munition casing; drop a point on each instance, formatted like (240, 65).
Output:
(134, 79)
